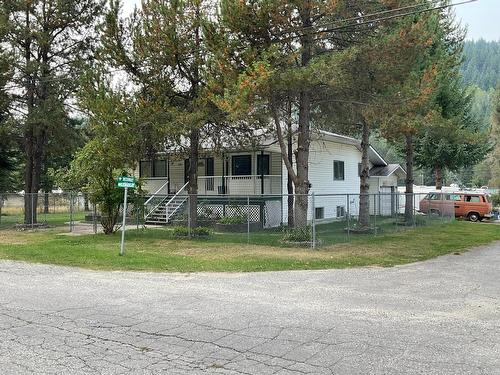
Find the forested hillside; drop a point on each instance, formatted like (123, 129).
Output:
(481, 65)
(481, 74)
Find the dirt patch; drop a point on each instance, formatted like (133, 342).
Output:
(11, 237)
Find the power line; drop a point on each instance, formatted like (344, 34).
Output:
(328, 30)
(355, 18)
(377, 20)
(380, 13)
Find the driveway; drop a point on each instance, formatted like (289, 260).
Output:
(436, 317)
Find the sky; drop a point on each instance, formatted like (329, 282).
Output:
(482, 17)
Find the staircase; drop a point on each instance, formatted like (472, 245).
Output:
(168, 208)
(167, 211)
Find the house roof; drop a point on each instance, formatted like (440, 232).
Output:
(387, 170)
(373, 155)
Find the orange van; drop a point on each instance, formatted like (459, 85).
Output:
(473, 206)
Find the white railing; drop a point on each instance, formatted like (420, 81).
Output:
(155, 201)
(239, 185)
(173, 199)
(156, 193)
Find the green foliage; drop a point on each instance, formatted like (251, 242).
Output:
(109, 153)
(494, 157)
(234, 219)
(298, 234)
(495, 199)
(9, 158)
(481, 64)
(185, 232)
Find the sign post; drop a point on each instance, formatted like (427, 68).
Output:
(124, 182)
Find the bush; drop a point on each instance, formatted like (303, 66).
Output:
(495, 199)
(298, 235)
(195, 232)
(238, 219)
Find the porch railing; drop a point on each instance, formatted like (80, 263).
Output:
(239, 185)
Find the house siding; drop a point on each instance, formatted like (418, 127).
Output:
(321, 157)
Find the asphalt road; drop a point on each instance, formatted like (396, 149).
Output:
(437, 317)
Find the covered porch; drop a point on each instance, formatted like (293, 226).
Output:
(232, 173)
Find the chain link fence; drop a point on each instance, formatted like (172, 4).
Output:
(68, 212)
(31, 211)
(311, 221)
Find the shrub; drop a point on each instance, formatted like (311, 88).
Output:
(238, 219)
(195, 232)
(298, 235)
(495, 199)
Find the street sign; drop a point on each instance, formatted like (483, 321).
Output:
(126, 182)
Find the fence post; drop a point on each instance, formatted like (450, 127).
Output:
(189, 215)
(248, 219)
(32, 214)
(71, 212)
(1, 205)
(313, 203)
(94, 219)
(46, 200)
(136, 207)
(348, 205)
(414, 211)
(375, 210)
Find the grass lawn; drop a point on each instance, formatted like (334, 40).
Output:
(57, 219)
(156, 250)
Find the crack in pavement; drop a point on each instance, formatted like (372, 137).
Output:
(359, 321)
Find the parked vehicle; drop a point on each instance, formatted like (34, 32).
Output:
(471, 205)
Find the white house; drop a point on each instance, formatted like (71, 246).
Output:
(260, 175)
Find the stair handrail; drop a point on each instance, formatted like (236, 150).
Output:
(156, 193)
(176, 194)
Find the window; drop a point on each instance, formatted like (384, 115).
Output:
(262, 164)
(160, 168)
(319, 213)
(241, 165)
(153, 168)
(338, 170)
(472, 198)
(452, 197)
(340, 211)
(433, 196)
(145, 168)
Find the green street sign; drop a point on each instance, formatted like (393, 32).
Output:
(126, 182)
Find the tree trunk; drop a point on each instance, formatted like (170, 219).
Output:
(194, 139)
(46, 202)
(302, 158)
(29, 215)
(438, 171)
(302, 185)
(409, 219)
(289, 183)
(364, 197)
(86, 206)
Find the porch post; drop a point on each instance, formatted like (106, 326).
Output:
(168, 174)
(262, 171)
(223, 173)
